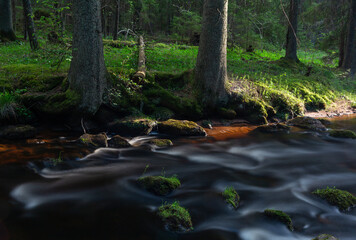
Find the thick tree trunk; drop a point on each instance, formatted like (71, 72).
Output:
(88, 75)
(350, 45)
(6, 30)
(211, 68)
(342, 46)
(291, 49)
(117, 19)
(13, 5)
(30, 25)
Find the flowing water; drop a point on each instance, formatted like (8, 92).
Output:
(97, 197)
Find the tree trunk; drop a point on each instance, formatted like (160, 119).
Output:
(30, 25)
(141, 69)
(13, 5)
(342, 46)
(117, 19)
(291, 49)
(87, 74)
(211, 68)
(349, 49)
(6, 30)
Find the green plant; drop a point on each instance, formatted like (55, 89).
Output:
(8, 104)
(231, 197)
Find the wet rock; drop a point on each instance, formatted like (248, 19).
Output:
(325, 237)
(342, 199)
(94, 140)
(132, 127)
(18, 132)
(231, 197)
(307, 123)
(280, 216)
(175, 217)
(342, 133)
(180, 128)
(272, 128)
(206, 124)
(324, 121)
(118, 142)
(161, 142)
(159, 185)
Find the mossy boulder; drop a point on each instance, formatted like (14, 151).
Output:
(175, 217)
(307, 123)
(18, 132)
(337, 133)
(280, 216)
(161, 143)
(342, 199)
(272, 128)
(231, 197)
(132, 127)
(325, 237)
(94, 140)
(162, 114)
(159, 185)
(118, 142)
(180, 128)
(227, 113)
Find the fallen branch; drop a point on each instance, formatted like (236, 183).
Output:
(141, 69)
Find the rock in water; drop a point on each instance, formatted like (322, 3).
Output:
(342, 133)
(175, 217)
(18, 132)
(272, 128)
(180, 128)
(325, 237)
(118, 142)
(307, 123)
(132, 127)
(94, 140)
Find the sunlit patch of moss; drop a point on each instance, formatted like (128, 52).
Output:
(161, 142)
(180, 128)
(280, 216)
(175, 217)
(337, 133)
(342, 199)
(159, 185)
(231, 197)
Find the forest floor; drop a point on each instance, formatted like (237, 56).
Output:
(314, 85)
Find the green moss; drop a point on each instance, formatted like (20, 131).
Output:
(253, 109)
(61, 103)
(132, 126)
(231, 197)
(342, 133)
(161, 142)
(342, 199)
(175, 217)
(162, 114)
(180, 128)
(159, 185)
(227, 113)
(280, 216)
(325, 237)
(96, 141)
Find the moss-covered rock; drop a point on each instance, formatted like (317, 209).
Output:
(175, 217)
(180, 128)
(227, 113)
(162, 143)
(162, 114)
(118, 142)
(280, 216)
(159, 185)
(231, 197)
(342, 199)
(94, 140)
(337, 133)
(132, 127)
(325, 237)
(272, 128)
(307, 123)
(18, 132)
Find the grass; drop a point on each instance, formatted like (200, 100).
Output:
(8, 104)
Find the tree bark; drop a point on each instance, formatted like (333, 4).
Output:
(141, 69)
(6, 27)
(211, 67)
(291, 49)
(342, 46)
(30, 25)
(87, 74)
(13, 5)
(350, 45)
(117, 19)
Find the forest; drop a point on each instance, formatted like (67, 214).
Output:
(177, 119)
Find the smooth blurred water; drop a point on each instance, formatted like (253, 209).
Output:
(97, 197)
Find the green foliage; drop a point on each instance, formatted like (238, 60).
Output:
(175, 217)
(8, 104)
(342, 199)
(231, 197)
(280, 216)
(186, 24)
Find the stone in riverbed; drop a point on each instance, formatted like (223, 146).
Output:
(18, 132)
(94, 140)
(342, 199)
(132, 127)
(273, 128)
(118, 142)
(342, 133)
(161, 143)
(307, 123)
(280, 216)
(180, 128)
(175, 217)
(325, 237)
(159, 185)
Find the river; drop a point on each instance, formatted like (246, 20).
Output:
(96, 196)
